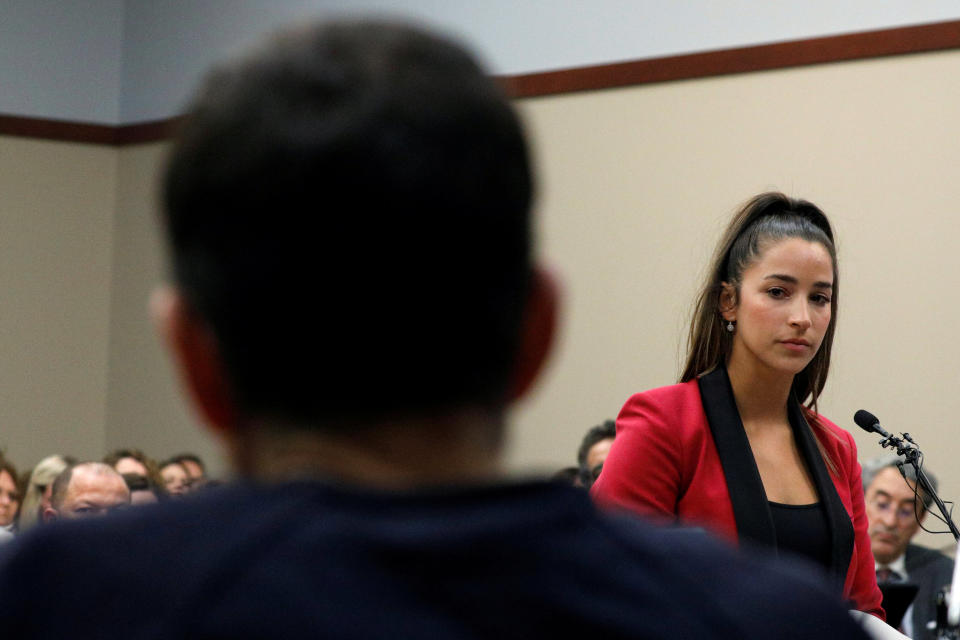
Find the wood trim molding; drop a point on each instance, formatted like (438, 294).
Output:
(148, 131)
(61, 130)
(854, 46)
(938, 36)
(66, 131)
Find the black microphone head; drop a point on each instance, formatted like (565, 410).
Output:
(866, 420)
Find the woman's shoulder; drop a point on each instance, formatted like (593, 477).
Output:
(831, 436)
(679, 392)
(670, 407)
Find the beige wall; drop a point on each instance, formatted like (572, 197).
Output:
(57, 203)
(144, 405)
(636, 184)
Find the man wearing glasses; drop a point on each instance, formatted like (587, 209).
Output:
(895, 516)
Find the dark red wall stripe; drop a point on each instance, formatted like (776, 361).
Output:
(855, 46)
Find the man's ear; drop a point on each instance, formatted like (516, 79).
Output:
(196, 357)
(727, 303)
(50, 515)
(537, 332)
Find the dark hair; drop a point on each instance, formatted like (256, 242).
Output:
(189, 457)
(6, 465)
(153, 470)
(766, 218)
(604, 431)
(348, 211)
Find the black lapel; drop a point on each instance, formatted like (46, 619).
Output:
(841, 528)
(750, 509)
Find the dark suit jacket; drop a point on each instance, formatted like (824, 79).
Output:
(931, 571)
(681, 453)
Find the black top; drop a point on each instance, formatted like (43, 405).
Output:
(312, 560)
(748, 498)
(802, 529)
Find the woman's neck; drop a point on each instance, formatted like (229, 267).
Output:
(402, 453)
(760, 393)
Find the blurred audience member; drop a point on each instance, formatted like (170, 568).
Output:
(593, 451)
(9, 498)
(135, 461)
(569, 475)
(895, 510)
(196, 470)
(36, 496)
(86, 489)
(128, 461)
(176, 480)
(142, 489)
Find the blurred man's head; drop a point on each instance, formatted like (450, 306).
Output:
(86, 489)
(593, 450)
(349, 216)
(893, 513)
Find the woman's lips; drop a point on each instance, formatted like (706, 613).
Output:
(796, 345)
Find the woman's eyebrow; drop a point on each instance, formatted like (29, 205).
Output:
(791, 280)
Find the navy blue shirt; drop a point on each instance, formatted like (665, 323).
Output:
(526, 560)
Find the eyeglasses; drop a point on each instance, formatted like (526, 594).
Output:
(905, 512)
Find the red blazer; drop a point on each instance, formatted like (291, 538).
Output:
(681, 454)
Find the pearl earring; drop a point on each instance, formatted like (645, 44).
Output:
(730, 326)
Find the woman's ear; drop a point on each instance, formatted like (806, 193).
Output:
(727, 304)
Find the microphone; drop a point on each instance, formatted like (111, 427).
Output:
(869, 423)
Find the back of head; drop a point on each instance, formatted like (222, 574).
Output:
(348, 211)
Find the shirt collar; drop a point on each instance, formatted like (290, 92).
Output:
(899, 565)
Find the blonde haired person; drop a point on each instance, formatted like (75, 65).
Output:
(36, 496)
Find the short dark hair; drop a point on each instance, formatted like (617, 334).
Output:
(605, 431)
(348, 211)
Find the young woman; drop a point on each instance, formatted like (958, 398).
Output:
(738, 447)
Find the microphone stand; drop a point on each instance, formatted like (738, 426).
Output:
(947, 602)
(911, 454)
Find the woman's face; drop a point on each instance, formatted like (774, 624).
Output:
(175, 479)
(783, 309)
(9, 499)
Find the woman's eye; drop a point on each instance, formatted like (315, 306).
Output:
(777, 292)
(820, 299)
